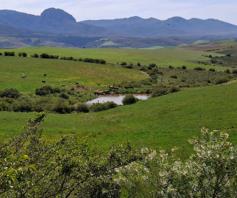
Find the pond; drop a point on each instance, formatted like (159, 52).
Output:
(117, 99)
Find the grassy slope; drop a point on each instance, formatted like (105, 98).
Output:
(162, 57)
(166, 121)
(59, 73)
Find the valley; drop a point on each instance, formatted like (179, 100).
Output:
(166, 120)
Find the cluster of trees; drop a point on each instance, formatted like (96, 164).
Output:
(30, 167)
(10, 93)
(50, 56)
(61, 102)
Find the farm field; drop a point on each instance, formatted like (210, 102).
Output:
(162, 122)
(162, 57)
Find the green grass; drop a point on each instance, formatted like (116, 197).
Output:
(162, 57)
(60, 73)
(164, 122)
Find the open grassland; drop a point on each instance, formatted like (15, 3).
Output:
(165, 122)
(27, 74)
(162, 57)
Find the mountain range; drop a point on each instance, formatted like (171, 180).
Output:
(57, 27)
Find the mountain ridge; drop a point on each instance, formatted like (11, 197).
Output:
(56, 24)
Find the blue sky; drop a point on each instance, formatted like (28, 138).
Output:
(108, 9)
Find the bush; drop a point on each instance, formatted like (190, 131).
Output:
(10, 93)
(123, 64)
(62, 107)
(160, 91)
(174, 89)
(22, 54)
(35, 56)
(9, 53)
(23, 106)
(212, 70)
(221, 81)
(234, 71)
(92, 60)
(129, 99)
(152, 65)
(64, 96)
(228, 71)
(211, 171)
(174, 76)
(199, 69)
(47, 56)
(46, 90)
(83, 108)
(102, 106)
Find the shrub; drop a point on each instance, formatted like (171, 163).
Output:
(9, 53)
(46, 90)
(35, 56)
(10, 93)
(174, 89)
(234, 71)
(152, 65)
(221, 81)
(129, 99)
(228, 71)
(23, 106)
(83, 108)
(47, 56)
(91, 60)
(67, 58)
(160, 91)
(62, 107)
(212, 70)
(22, 54)
(64, 96)
(123, 64)
(199, 69)
(184, 67)
(209, 172)
(174, 76)
(102, 106)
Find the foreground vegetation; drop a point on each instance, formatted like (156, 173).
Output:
(32, 168)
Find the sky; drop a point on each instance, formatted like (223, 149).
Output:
(109, 9)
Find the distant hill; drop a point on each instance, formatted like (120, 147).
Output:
(54, 21)
(57, 27)
(176, 26)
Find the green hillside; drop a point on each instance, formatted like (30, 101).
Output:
(59, 73)
(165, 122)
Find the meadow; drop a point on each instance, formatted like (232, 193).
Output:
(163, 57)
(162, 122)
(60, 73)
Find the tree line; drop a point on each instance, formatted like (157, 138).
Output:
(49, 56)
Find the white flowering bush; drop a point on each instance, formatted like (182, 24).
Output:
(211, 171)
